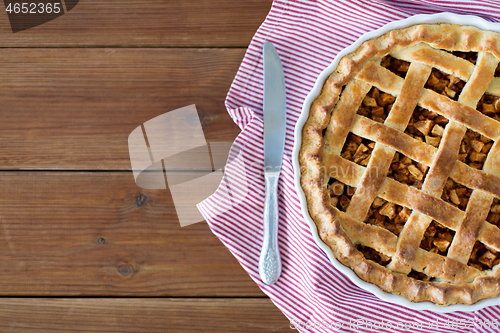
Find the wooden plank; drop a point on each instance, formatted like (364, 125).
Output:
(74, 108)
(92, 233)
(140, 315)
(154, 23)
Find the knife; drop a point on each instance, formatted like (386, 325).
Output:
(274, 142)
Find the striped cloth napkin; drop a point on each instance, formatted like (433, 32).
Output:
(311, 292)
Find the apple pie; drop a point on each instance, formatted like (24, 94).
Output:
(400, 163)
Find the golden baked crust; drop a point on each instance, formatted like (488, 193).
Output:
(405, 267)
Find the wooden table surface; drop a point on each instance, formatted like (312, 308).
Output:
(77, 251)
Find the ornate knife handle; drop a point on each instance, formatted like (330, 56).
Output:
(270, 262)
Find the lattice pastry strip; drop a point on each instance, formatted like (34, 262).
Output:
(479, 203)
(392, 190)
(340, 122)
(446, 158)
(373, 236)
(338, 119)
(424, 153)
(382, 155)
(471, 118)
(442, 60)
(443, 212)
(445, 62)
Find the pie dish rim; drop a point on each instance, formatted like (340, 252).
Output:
(469, 20)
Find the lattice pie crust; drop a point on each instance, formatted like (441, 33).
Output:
(400, 163)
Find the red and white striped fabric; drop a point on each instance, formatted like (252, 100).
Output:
(308, 34)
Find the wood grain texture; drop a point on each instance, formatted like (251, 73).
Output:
(86, 233)
(74, 108)
(140, 315)
(71, 91)
(153, 23)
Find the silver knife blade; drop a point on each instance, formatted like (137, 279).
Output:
(274, 141)
(274, 109)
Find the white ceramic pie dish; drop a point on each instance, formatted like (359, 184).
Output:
(395, 299)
